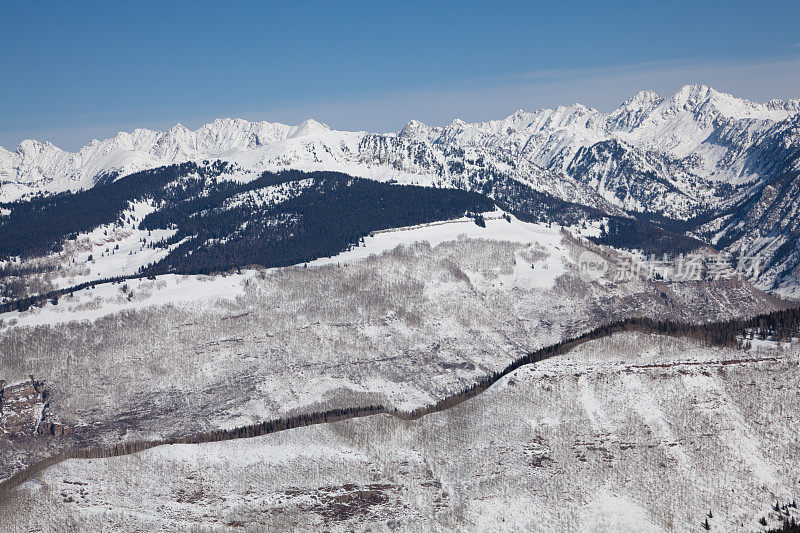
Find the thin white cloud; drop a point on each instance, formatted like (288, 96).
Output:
(555, 74)
(602, 88)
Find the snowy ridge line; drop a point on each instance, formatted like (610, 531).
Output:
(28, 301)
(713, 362)
(433, 224)
(724, 333)
(675, 127)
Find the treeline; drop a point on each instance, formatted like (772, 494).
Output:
(218, 230)
(530, 205)
(633, 234)
(779, 325)
(23, 304)
(41, 225)
(650, 233)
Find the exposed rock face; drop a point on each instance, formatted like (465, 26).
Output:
(23, 410)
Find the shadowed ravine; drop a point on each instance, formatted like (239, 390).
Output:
(779, 324)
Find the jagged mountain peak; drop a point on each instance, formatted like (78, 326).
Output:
(696, 99)
(519, 120)
(32, 147)
(308, 127)
(519, 116)
(644, 98)
(702, 98)
(633, 111)
(575, 110)
(694, 91)
(219, 123)
(179, 128)
(417, 131)
(642, 101)
(456, 124)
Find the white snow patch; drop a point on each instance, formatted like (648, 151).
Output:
(608, 512)
(542, 275)
(736, 434)
(108, 298)
(592, 406)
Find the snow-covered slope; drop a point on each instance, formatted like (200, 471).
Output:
(404, 327)
(765, 230)
(628, 433)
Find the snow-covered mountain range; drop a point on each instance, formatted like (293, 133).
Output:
(683, 145)
(699, 154)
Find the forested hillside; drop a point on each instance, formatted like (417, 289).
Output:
(209, 217)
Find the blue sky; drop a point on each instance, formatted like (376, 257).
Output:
(74, 71)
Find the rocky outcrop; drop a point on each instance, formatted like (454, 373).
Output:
(23, 410)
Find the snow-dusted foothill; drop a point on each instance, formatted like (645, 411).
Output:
(631, 432)
(174, 355)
